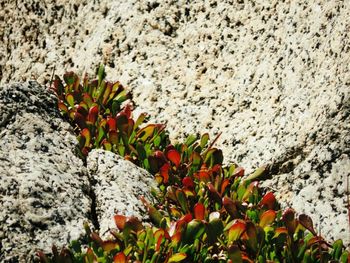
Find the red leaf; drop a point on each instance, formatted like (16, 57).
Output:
(120, 258)
(93, 113)
(80, 120)
(112, 124)
(188, 182)
(127, 110)
(268, 200)
(174, 157)
(306, 222)
(203, 176)
(199, 211)
(239, 172)
(214, 194)
(288, 218)
(224, 184)
(164, 172)
(230, 207)
(187, 218)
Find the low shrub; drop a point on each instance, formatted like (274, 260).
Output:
(203, 211)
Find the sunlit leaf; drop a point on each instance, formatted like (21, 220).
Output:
(87, 136)
(204, 140)
(269, 200)
(164, 172)
(120, 258)
(63, 108)
(190, 139)
(93, 113)
(120, 221)
(174, 157)
(267, 218)
(258, 174)
(70, 99)
(236, 230)
(178, 257)
(109, 245)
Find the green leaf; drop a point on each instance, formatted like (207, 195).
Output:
(141, 151)
(337, 249)
(234, 254)
(101, 75)
(214, 230)
(177, 257)
(140, 120)
(204, 140)
(194, 230)
(181, 198)
(190, 139)
(259, 174)
(70, 99)
(121, 97)
(69, 78)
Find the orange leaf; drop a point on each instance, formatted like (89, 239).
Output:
(174, 157)
(267, 218)
(120, 258)
(164, 172)
(120, 221)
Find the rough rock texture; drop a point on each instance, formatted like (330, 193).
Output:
(117, 186)
(43, 187)
(273, 76)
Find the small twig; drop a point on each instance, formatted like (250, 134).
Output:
(214, 141)
(53, 73)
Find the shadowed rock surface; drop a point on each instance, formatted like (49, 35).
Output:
(44, 187)
(46, 192)
(273, 76)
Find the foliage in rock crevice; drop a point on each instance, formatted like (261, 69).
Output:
(203, 211)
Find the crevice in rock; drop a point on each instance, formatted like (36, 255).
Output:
(92, 195)
(288, 162)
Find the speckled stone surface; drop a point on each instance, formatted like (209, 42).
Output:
(118, 184)
(43, 185)
(273, 76)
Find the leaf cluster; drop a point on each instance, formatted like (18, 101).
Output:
(202, 211)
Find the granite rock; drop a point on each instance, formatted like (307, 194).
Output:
(117, 185)
(44, 188)
(271, 75)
